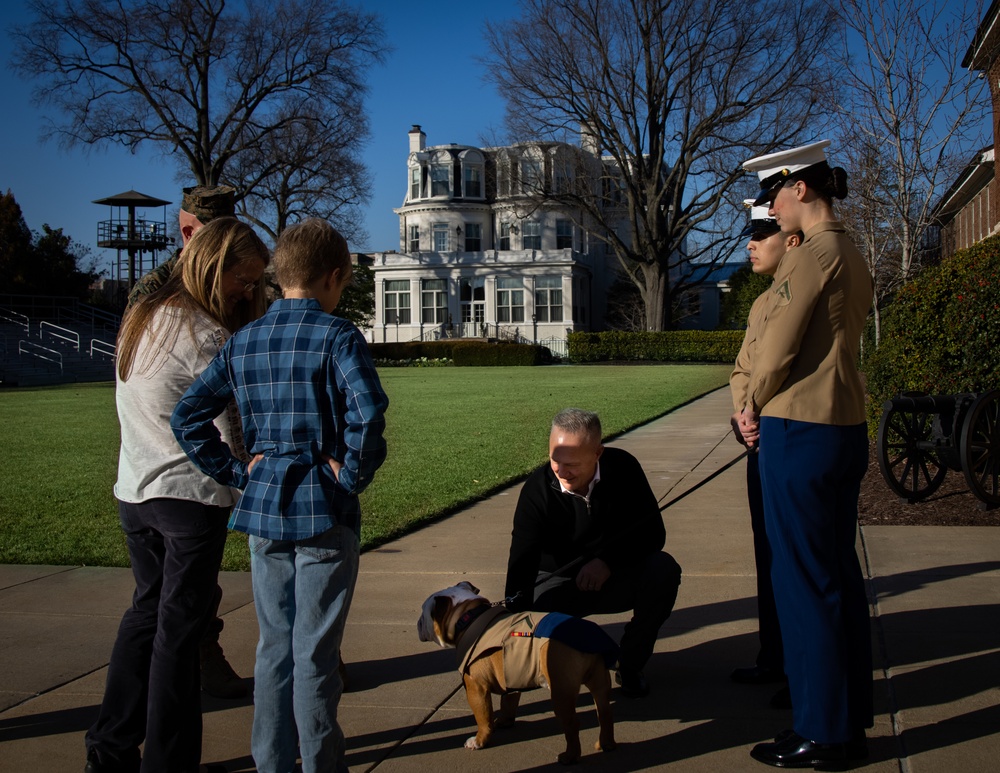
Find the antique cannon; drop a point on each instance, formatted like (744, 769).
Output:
(922, 436)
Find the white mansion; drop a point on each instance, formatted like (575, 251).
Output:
(482, 253)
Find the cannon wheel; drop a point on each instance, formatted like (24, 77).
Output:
(913, 473)
(980, 447)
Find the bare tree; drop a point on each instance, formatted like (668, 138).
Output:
(911, 114)
(196, 78)
(867, 213)
(674, 94)
(311, 168)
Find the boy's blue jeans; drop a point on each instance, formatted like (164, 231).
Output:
(302, 590)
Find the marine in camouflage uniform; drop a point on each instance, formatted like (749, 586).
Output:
(205, 202)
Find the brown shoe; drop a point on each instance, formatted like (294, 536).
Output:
(218, 678)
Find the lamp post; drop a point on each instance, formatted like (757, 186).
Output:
(534, 328)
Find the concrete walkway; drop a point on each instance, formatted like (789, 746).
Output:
(935, 629)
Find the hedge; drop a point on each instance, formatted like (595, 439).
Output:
(662, 346)
(940, 334)
(464, 352)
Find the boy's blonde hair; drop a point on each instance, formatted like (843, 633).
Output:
(307, 251)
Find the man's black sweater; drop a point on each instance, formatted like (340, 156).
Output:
(620, 523)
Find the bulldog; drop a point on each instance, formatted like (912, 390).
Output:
(505, 653)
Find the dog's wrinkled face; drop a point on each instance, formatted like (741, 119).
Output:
(443, 609)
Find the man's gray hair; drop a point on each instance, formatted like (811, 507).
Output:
(577, 421)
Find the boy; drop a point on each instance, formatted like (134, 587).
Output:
(313, 417)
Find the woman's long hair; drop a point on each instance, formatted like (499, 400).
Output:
(195, 286)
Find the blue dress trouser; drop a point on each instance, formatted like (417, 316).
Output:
(811, 476)
(153, 687)
(770, 655)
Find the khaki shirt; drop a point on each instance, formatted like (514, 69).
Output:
(804, 363)
(739, 379)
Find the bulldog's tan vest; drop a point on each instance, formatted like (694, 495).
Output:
(514, 633)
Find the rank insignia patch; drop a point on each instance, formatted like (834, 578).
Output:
(784, 293)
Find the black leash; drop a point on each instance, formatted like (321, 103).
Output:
(711, 477)
(586, 556)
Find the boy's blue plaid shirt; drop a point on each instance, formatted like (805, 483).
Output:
(306, 388)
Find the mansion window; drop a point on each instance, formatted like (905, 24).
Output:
(531, 175)
(531, 235)
(564, 234)
(440, 237)
(473, 237)
(548, 299)
(510, 300)
(414, 238)
(562, 177)
(415, 183)
(433, 301)
(396, 302)
(473, 182)
(504, 236)
(503, 177)
(439, 180)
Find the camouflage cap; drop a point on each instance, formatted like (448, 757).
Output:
(207, 202)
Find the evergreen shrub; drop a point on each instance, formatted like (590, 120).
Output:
(940, 333)
(660, 346)
(464, 352)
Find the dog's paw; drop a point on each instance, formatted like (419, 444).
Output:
(567, 758)
(502, 720)
(472, 743)
(607, 746)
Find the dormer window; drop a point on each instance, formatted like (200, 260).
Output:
(414, 183)
(473, 182)
(439, 180)
(531, 176)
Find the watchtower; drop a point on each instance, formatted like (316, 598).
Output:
(133, 237)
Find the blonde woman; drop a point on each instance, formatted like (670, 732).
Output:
(174, 517)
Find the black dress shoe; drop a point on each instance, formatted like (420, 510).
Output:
(794, 751)
(757, 675)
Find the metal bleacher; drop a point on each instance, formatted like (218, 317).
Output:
(52, 340)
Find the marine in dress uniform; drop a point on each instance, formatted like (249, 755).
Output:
(805, 387)
(769, 666)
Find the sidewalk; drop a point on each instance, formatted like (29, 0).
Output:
(935, 628)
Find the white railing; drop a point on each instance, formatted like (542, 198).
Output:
(101, 347)
(62, 333)
(41, 352)
(16, 318)
(558, 346)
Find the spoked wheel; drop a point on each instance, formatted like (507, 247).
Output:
(980, 447)
(911, 467)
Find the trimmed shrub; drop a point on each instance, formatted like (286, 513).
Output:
(482, 353)
(464, 351)
(661, 346)
(940, 333)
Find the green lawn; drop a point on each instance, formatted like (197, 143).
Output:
(454, 434)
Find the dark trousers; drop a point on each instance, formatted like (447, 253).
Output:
(153, 685)
(770, 654)
(648, 588)
(811, 475)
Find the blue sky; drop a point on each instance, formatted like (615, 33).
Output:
(431, 79)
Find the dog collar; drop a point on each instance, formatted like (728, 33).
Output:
(469, 618)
